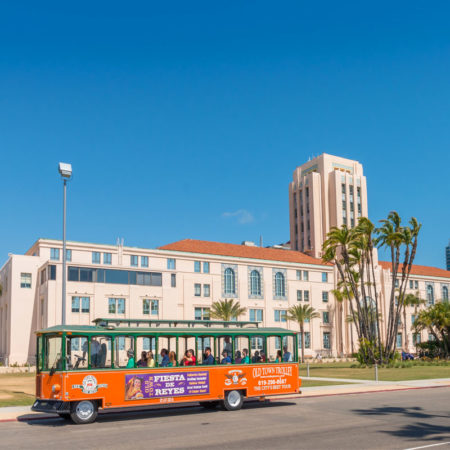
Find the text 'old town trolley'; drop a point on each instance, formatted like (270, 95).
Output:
(123, 363)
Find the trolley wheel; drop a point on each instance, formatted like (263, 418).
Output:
(84, 412)
(233, 400)
(210, 405)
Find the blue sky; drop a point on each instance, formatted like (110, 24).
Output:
(186, 120)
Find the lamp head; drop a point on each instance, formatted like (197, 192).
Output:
(65, 170)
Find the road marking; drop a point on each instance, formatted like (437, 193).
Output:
(428, 446)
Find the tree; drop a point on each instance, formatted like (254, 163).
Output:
(410, 300)
(400, 241)
(352, 252)
(302, 314)
(226, 310)
(436, 319)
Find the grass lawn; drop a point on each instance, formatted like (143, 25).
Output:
(344, 370)
(17, 389)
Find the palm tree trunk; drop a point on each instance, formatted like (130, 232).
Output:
(303, 343)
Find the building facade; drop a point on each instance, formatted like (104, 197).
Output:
(326, 192)
(180, 281)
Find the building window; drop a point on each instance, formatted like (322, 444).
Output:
(197, 266)
(416, 338)
(280, 288)
(430, 294)
(307, 335)
(133, 260)
(25, 280)
(256, 315)
(81, 303)
(305, 275)
(75, 304)
(306, 296)
(116, 306)
(173, 280)
(201, 313)
(280, 315)
(396, 283)
(445, 293)
(150, 307)
(324, 277)
(325, 317)
(51, 272)
(95, 257)
(343, 188)
(107, 258)
(255, 283)
(206, 267)
(197, 289)
(413, 319)
(399, 340)
(144, 261)
(85, 304)
(411, 284)
(170, 264)
(325, 296)
(299, 295)
(206, 290)
(68, 255)
(326, 340)
(54, 254)
(43, 276)
(431, 338)
(416, 284)
(230, 281)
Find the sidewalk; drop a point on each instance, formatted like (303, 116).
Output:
(24, 413)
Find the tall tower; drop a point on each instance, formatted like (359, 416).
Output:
(326, 191)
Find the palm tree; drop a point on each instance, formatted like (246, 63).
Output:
(226, 310)
(410, 300)
(302, 314)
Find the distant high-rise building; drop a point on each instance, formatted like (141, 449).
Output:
(447, 256)
(326, 191)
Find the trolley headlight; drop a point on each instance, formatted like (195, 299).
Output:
(56, 388)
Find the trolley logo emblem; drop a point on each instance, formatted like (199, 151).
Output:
(235, 377)
(89, 385)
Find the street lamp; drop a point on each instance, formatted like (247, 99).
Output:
(65, 171)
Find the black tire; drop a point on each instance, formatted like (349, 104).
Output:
(65, 416)
(83, 412)
(233, 400)
(210, 405)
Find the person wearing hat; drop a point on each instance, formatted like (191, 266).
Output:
(130, 363)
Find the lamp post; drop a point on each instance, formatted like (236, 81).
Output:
(65, 171)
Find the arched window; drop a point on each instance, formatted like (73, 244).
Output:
(430, 294)
(280, 289)
(445, 293)
(255, 283)
(230, 281)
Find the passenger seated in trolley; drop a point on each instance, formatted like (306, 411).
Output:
(150, 359)
(188, 359)
(172, 359)
(287, 357)
(237, 357)
(226, 359)
(130, 363)
(165, 357)
(208, 359)
(143, 361)
(245, 357)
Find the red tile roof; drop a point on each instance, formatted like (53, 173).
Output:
(241, 251)
(420, 270)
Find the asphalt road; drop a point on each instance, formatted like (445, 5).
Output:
(386, 420)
